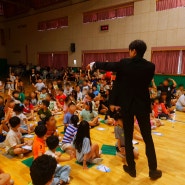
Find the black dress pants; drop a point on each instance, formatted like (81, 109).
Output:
(145, 127)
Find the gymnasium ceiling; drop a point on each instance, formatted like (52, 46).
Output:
(12, 8)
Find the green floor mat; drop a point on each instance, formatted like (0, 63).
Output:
(62, 132)
(28, 162)
(102, 121)
(89, 165)
(108, 150)
(58, 149)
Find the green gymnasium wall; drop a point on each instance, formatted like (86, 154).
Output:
(178, 78)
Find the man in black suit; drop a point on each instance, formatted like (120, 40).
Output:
(130, 92)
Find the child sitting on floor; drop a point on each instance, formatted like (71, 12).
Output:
(15, 97)
(39, 141)
(70, 134)
(34, 99)
(44, 112)
(89, 115)
(119, 135)
(61, 172)
(68, 115)
(21, 91)
(50, 123)
(109, 117)
(9, 110)
(25, 126)
(85, 150)
(52, 103)
(160, 110)
(39, 85)
(28, 109)
(42, 95)
(155, 122)
(60, 97)
(14, 141)
(103, 107)
(67, 101)
(43, 166)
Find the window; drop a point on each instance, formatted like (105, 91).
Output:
(103, 56)
(169, 61)
(109, 13)
(53, 24)
(169, 4)
(53, 60)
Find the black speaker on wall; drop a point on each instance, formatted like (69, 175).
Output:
(73, 47)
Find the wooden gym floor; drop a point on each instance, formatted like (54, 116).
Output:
(170, 149)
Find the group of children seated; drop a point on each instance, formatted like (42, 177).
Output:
(80, 103)
(166, 99)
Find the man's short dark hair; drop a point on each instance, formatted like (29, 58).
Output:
(52, 142)
(14, 121)
(45, 102)
(139, 46)
(43, 169)
(40, 130)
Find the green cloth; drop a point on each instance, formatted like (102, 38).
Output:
(28, 162)
(108, 150)
(21, 97)
(89, 165)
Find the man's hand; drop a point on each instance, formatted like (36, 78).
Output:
(88, 67)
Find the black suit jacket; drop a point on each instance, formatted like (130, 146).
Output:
(130, 89)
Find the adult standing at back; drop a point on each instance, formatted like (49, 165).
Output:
(131, 93)
(165, 87)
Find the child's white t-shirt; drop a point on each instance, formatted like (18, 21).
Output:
(22, 118)
(12, 139)
(39, 86)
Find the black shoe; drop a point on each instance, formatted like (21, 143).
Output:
(132, 173)
(155, 174)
